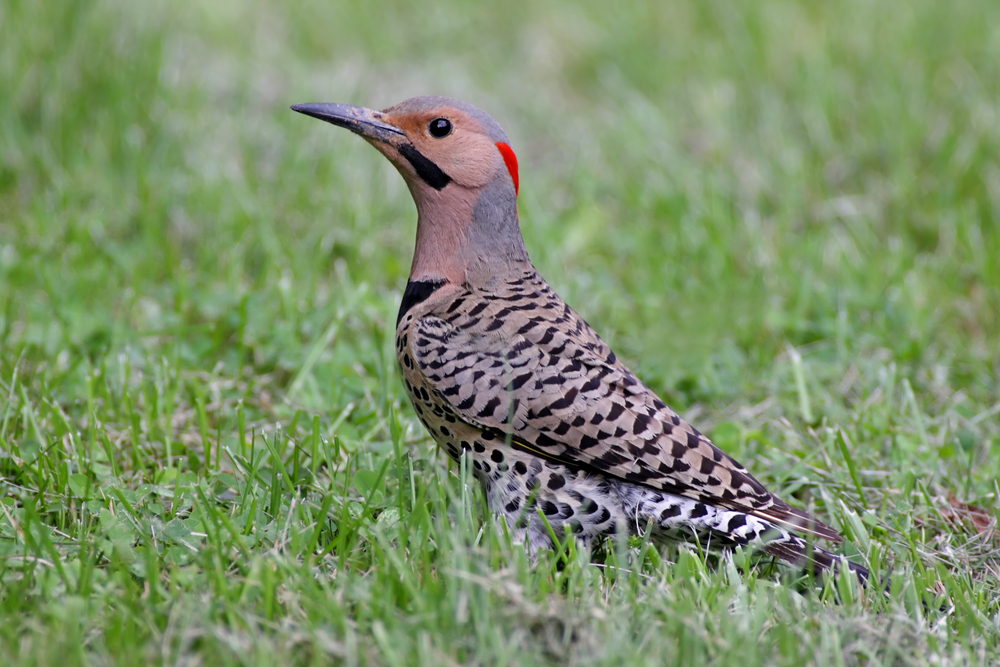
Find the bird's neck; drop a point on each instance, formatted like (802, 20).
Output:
(467, 235)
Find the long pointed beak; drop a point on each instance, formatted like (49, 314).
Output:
(366, 122)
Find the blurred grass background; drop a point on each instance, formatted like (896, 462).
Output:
(783, 215)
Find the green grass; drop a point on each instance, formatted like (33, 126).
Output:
(784, 216)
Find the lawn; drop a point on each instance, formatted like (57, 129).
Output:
(784, 216)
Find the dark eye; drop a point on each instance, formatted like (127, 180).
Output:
(440, 127)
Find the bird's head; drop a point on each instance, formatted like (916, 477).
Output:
(434, 142)
(461, 171)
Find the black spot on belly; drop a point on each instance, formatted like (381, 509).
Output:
(520, 468)
(670, 512)
(497, 456)
(556, 481)
(737, 521)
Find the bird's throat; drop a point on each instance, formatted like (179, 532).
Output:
(459, 228)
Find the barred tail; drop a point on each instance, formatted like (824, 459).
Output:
(680, 518)
(794, 550)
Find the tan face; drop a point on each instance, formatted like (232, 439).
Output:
(451, 140)
(461, 173)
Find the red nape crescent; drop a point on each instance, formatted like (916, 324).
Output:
(511, 160)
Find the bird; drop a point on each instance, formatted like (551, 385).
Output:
(564, 438)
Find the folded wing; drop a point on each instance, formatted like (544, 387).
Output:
(536, 373)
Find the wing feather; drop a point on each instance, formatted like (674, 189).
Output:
(545, 379)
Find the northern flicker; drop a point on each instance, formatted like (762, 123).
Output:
(499, 368)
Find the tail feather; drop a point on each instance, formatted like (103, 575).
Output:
(783, 514)
(796, 551)
(680, 518)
